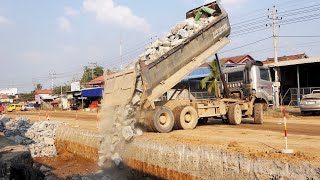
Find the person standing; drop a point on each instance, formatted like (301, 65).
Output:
(2, 108)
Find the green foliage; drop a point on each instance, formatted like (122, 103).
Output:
(211, 83)
(38, 86)
(23, 97)
(65, 88)
(87, 73)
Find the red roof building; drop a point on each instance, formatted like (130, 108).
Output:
(242, 59)
(99, 81)
(233, 61)
(44, 91)
(286, 58)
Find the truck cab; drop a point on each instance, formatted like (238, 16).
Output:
(252, 79)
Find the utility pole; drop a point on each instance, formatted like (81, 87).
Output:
(277, 85)
(52, 76)
(92, 65)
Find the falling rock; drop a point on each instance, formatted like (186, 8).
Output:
(127, 133)
(115, 139)
(138, 132)
(136, 98)
(116, 159)
(128, 122)
(44, 169)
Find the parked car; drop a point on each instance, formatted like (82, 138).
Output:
(74, 105)
(310, 103)
(14, 107)
(28, 107)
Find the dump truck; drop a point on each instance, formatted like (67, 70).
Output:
(148, 82)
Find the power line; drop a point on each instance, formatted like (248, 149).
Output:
(299, 36)
(239, 47)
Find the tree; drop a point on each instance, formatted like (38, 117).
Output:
(87, 73)
(211, 83)
(65, 88)
(38, 87)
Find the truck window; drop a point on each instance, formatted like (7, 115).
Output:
(236, 76)
(264, 74)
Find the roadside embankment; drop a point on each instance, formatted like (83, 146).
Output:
(162, 155)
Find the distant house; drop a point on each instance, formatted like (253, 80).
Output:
(97, 82)
(4, 98)
(236, 60)
(286, 58)
(43, 95)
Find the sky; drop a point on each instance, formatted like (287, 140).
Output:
(39, 38)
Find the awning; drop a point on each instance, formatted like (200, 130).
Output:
(92, 92)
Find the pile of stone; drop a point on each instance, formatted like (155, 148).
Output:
(175, 37)
(15, 129)
(43, 135)
(39, 137)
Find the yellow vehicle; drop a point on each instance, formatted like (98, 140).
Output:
(14, 107)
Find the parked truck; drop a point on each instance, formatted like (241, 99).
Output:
(150, 81)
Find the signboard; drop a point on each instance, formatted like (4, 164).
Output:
(37, 98)
(75, 86)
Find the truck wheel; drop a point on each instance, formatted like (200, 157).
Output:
(234, 114)
(163, 120)
(186, 118)
(258, 113)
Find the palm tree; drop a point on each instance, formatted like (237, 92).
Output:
(213, 85)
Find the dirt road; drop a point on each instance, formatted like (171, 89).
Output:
(300, 125)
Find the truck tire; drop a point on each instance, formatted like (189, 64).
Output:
(234, 114)
(186, 118)
(163, 120)
(258, 113)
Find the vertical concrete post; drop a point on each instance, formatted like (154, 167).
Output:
(298, 82)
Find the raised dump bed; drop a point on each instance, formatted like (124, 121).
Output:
(171, 68)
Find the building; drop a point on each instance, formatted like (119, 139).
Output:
(5, 99)
(43, 95)
(9, 91)
(236, 60)
(286, 58)
(97, 82)
(298, 76)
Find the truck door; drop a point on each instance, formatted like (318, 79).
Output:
(264, 84)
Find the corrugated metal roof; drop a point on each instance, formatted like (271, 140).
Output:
(198, 73)
(92, 92)
(295, 62)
